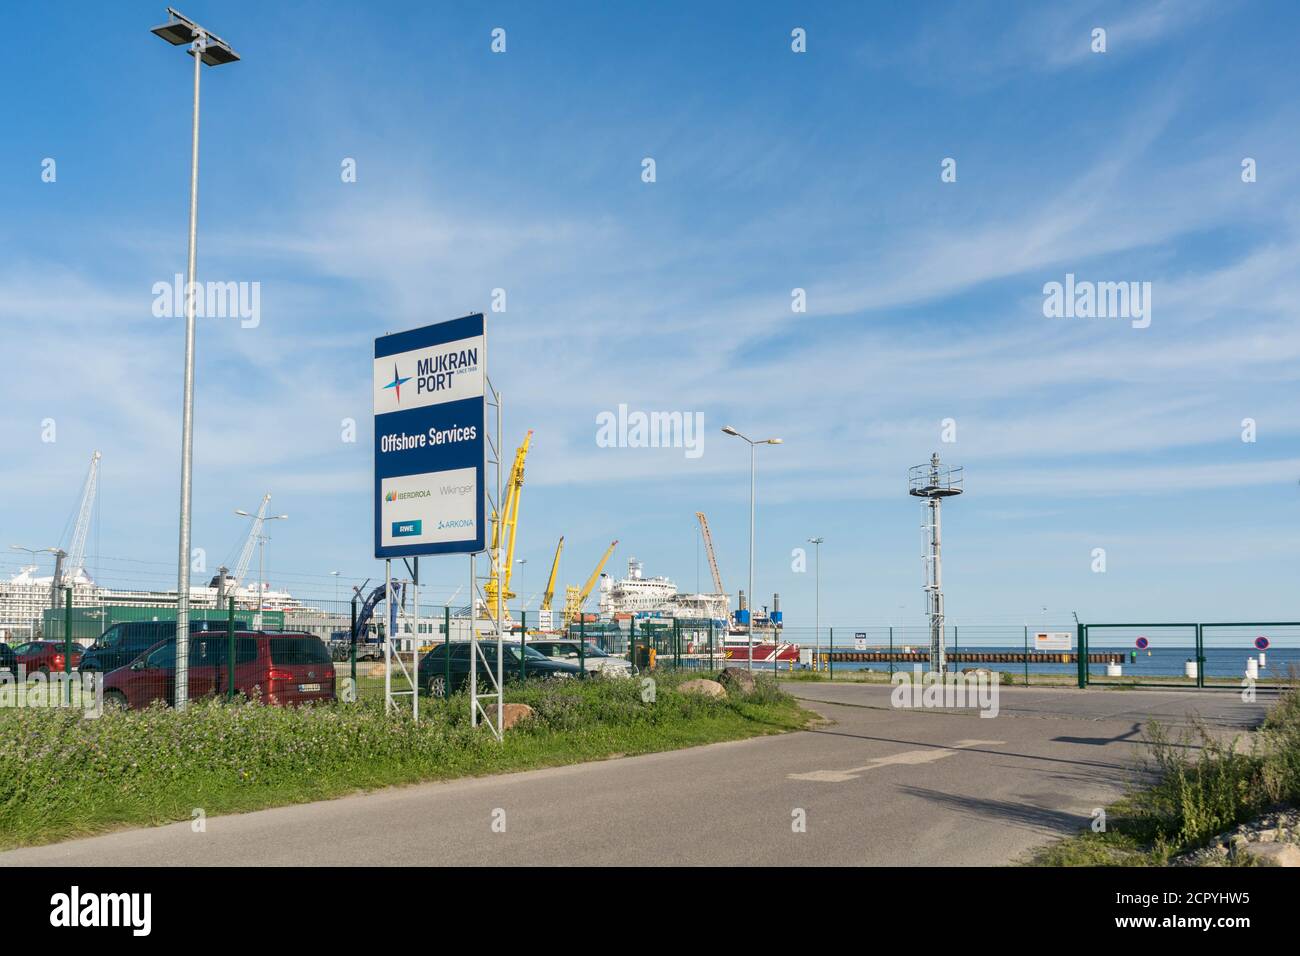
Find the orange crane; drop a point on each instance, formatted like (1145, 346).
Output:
(504, 525)
(549, 593)
(575, 598)
(708, 549)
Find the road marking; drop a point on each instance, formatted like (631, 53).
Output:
(906, 758)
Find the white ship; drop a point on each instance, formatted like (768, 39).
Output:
(637, 594)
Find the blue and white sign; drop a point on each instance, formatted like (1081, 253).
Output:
(430, 418)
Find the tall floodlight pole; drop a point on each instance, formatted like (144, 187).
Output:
(753, 465)
(261, 558)
(213, 51)
(817, 597)
(933, 483)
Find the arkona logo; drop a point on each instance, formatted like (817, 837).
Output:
(75, 908)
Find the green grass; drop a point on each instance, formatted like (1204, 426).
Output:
(1202, 791)
(62, 775)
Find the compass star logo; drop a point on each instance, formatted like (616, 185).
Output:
(397, 383)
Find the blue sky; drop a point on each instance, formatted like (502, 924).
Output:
(775, 171)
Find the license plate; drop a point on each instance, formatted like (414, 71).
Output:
(308, 688)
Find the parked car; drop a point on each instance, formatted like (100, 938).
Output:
(44, 656)
(125, 641)
(433, 666)
(597, 661)
(280, 668)
(7, 659)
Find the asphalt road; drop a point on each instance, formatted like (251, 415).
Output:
(874, 786)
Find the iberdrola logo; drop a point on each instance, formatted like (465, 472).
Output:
(391, 496)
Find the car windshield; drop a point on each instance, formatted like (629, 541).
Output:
(572, 650)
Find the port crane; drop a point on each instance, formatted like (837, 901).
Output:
(575, 598)
(505, 522)
(75, 563)
(68, 564)
(708, 549)
(246, 555)
(549, 593)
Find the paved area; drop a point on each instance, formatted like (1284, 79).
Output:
(875, 785)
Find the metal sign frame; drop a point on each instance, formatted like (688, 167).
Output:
(396, 616)
(492, 692)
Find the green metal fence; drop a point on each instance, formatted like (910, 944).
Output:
(1224, 655)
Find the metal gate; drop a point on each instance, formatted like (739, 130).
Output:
(1188, 654)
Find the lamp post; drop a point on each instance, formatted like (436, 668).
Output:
(336, 585)
(212, 50)
(817, 613)
(749, 627)
(59, 555)
(261, 571)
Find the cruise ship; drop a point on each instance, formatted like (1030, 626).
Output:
(639, 596)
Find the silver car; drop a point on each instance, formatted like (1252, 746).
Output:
(596, 661)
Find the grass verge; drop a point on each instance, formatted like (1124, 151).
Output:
(62, 775)
(1205, 787)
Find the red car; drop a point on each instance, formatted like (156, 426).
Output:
(45, 656)
(283, 669)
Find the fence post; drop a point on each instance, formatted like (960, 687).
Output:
(1026, 655)
(352, 650)
(631, 643)
(446, 651)
(710, 643)
(67, 642)
(1082, 641)
(523, 646)
(830, 656)
(582, 648)
(1200, 656)
(956, 646)
(230, 650)
(891, 650)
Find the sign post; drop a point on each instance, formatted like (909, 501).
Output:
(429, 391)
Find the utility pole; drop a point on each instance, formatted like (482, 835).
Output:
(817, 613)
(212, 50)
(749, 626)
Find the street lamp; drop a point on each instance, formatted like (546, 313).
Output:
(261, 554)
(59, 555)
(214, 51)
(749, 627)
(211, 50)
(817, 613)
(336, 585)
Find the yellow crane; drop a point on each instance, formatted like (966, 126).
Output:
(549, 593)
(504, 525)
(575, 598)
(708, 549)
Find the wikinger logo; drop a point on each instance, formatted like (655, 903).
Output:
(72, 909)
